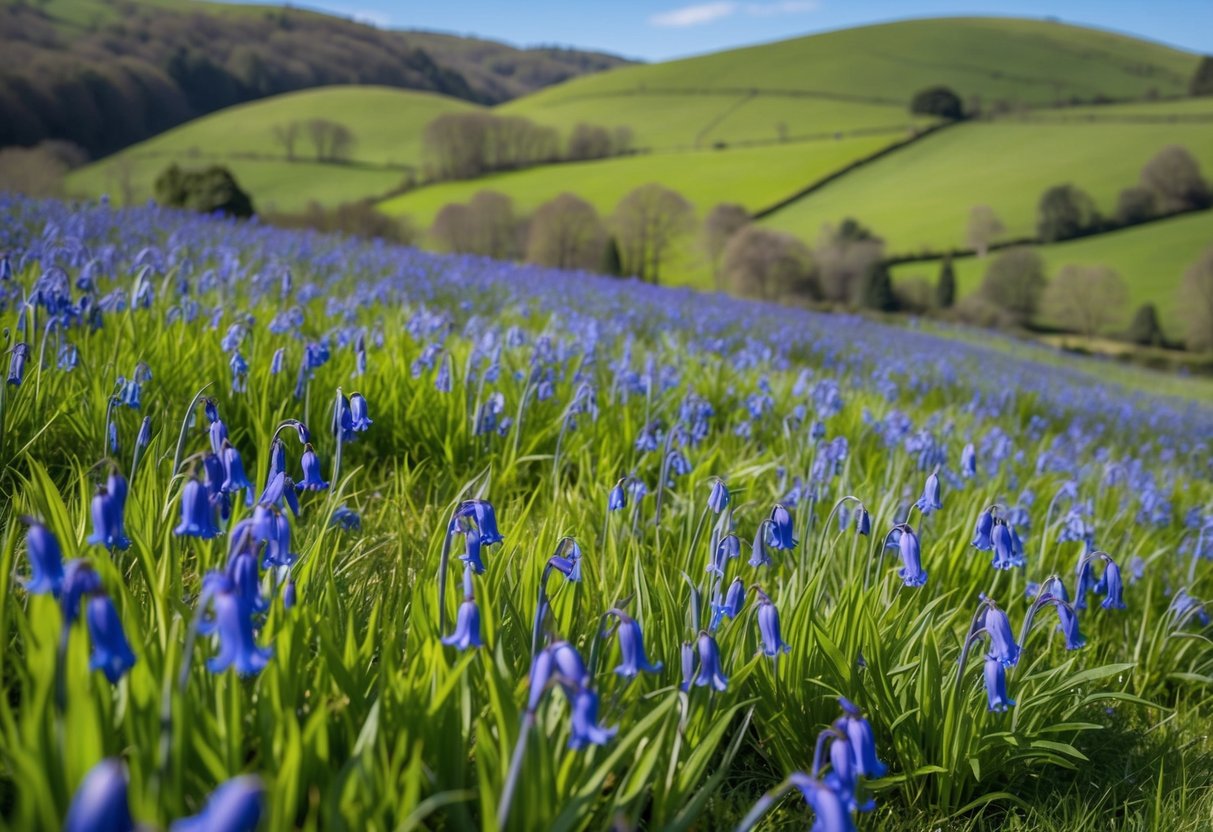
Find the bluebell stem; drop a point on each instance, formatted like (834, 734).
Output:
(569, 566)
(710, 671)
(100, 803)
(111, 652)
(45, 559)
(631, 647)
(312, 481)
(996, 684)
(929, 501)
(236, 806)
(718, 498)
(768, 627)
(728, 548)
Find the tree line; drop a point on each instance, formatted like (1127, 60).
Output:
(467, 145)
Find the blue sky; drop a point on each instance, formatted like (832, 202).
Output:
(656, 30)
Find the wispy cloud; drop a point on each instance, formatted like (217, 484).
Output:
(702, 13)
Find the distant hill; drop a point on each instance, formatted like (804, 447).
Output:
(107, 73)
(864, 78)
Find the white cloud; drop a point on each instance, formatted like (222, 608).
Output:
(693, 15)
(702, 13)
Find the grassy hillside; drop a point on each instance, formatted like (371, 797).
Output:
(1151, 259)
(876, 69)
(919, 198)
(387, 123)
(753, 177)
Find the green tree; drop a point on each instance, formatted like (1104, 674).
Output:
(945, 289)
(612, 263)
(876, 289)
(1202, 79)
(1145, 329)
(1013, 284)
(1174, 177)
(1065, 211)
(937, 101)
(209, 190)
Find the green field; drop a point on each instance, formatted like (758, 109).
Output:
(863, 77)
(919, 198)
(1151, 260)
(754, 177)
(387, 124)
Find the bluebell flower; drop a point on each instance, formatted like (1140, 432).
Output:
(212, 467)
(471, 555)
(245, 581)
(618, 498)
(1084, 582)
(111, 653)
(710, 672)
(830, 812)
(734, 599)
(584, 726)
(343, 419)
(843, 778)
(218, 435)
(235, 478)
(486, 521)
(236, 806)
(718, 499)
(779, 529)
(359, 413)
(346, 518)
(759, 555)
(911, 573)
(100, 803)
(1002, 640)
(929, 501)
(996, 684)
(1069, 626)
(102, 509)
(569, 666)
(467, 627)
(631, 649)
(863, 743)
(144, 438)
(569, 567)
(80, 581)
(276, 361)
(1113, 588)
(233, 624)
(16, 363)
(982, 538)
(278, 545)
(768, 627)
(687, 657)
(968, 461)
(197, 514)
(1004, 555)
(312, 481)
(728, 548)
(863, 521)
(277, 461)
(543, 667)
(45, 560)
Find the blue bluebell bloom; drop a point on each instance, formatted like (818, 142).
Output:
(710, 671)
(111, 653)
(467, 627)
(80, 581)
(359, 413)
(768, 627)
(911, 572)
(863, 742)
(718, 498)
(982, 532)
(236, 806)
(929, 501)
(779, 529)
(197, 513)
(618, 498)
(233, 624)
(633, 658)
(312, 481)
(996, 684)
(100, 803)
(1002, 639)
(585, 729)
(45, 560)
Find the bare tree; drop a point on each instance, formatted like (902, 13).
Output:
(1196, 302)
(589, 141)
(331, 141)
(566, 233)
(453, 229)
(1086, 298)
(845, 254)
(494, 226)
(769, 265)
(722, 222)
(287, 134)
(1013, 284)
(1174, 177)
(646, 222)
(984, 226)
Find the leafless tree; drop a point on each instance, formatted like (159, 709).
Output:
(769, 265)
(287, 134)
(453, 229)
(1196, 302)
(1086, 298)
(646, 222)
(844, 255)
(1013, 284)
(566, 233)
(589, 141)
(1174, 177)
(984, 226)
(722, 222)
(494, 226)
(331, 141)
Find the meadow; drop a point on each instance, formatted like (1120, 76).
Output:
(370, 538)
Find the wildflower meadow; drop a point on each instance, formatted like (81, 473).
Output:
(300, 532)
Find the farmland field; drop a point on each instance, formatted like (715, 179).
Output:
(364, 537)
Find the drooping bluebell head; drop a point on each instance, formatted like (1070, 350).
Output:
(106, 510)
(197, 513)
(346, 518)
(687, 659)
(111, 653)
(236, 806)
(100, 803)
(618, 498)
(968, 461)
(359, 413)
(830, 811)
(1113, 587)
(235, 478)
(277, 460)
(863, 742)
(80, 581)
(312, 481)
(1069, 625)
(768, 627)
(218, 435)
(18, 355)
(569, 665)
(471, 553)
(982, 539)
(710, 671)
(144, 437)
(929, 501)
(911, 572)
(996, 684)
(631, 649)
(245, 580)
(486, 521)
(343, 419)
(1004, 555)
(278, 546)
(1084, 582)
(542, 669)
(779, 529)
(584, 726)
(718, 498)
(45, 560)
(1002, 639)
(728, 548)
(467, 627)
(233, 626)
(734, 599)
(863, 521)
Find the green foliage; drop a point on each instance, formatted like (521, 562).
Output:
(1202, 78)
(207, 191)
(938, 101)
(1145, 329)
(1064, 212)
(1014, 283)
(612, 264)
(876, 289)
(945, 289)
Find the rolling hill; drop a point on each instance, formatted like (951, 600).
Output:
(1151, 260)
(919, 198)
(387, 124)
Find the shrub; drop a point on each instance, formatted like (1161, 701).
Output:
(1135, 204)
(1173, 176)
(1065, 211)
(1013, 283)
(769, 265)
(945, 289)
(1145, 329)
(844, 256)
(937, 101)
(1085, 298)
(357, 219)
(208, 190)
(1202, 78)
